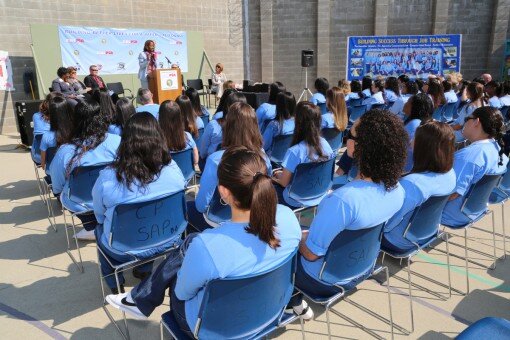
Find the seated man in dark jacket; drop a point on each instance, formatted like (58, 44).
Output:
(93, 80)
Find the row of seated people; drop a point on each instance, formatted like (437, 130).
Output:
(262, 232)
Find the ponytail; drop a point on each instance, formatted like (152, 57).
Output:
(493, 125)
(263, 210)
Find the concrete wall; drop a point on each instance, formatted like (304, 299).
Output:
(218, 20)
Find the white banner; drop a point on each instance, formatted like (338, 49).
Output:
(6, 83)
(115, 51)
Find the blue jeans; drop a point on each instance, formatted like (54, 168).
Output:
(116, 258)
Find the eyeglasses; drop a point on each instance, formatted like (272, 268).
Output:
(94, 70)
(350, 136)
(469, 118)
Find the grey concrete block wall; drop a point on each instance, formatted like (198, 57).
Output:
(411, 17)
(218, 20)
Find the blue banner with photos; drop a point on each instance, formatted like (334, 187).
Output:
(115, 51)
(414, 55)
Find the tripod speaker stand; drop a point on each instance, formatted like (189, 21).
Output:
(306, 61)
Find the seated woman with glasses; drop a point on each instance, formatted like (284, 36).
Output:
(432, 175)
(484, 129)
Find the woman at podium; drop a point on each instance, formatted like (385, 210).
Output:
(147, 62)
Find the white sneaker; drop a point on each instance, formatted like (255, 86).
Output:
(304, 311)
(85, 235)
(119, 301)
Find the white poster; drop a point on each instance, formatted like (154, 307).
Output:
(169, 80)
(6, 83)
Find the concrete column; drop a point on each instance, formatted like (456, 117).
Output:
(381, 17)
(440, 16)
(266, 40)
(498, 37)
(323, 41)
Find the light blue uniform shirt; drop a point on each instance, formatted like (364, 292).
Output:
(204, 110)
(367, 93)
(464, 112)
(103, 153)
(108, 192)
(40, 127)
(356, 205)
(209, 257)
(48, 140)
(418, 188)
(376, 98)
(274, 129)
(405, 98)
(211, 139)
(471, 164)
(217, 115)
(115, 129)
(328, 121)
(153, 109)
(398, 103)
(451, 97)
(351, 95)
(190, 142)
(318, 98)
(209, 180)
(265, 112)
(411, 128)
(200, 123)
(296, 155)
(495, 102)
(505, 100)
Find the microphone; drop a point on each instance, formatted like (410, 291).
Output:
(168, 60)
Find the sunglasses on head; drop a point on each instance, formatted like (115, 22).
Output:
(350, 136)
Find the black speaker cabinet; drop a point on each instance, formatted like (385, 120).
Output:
(24, 112)
(306, 58)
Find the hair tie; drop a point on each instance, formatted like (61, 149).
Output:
(257, 174)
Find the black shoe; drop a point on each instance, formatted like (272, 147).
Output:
(115, 291)
(140, 275)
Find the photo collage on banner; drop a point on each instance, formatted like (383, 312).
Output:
(115, 51)
(414, 55)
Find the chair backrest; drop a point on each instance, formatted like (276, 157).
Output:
(425, 220)
(117, 88)
(354, 102)
(449, 111)
(355, 112)
(351, 254)
(197, 84)
(438, 113)
(144, 225)
(240, 308)
(504, 111)
(312, 180)
(323, 108)
(388, 105)
(477, 198)
(505, 180)
(200, 133)
(50, 154)
(82, 180)
(378, 106)
(217, 212)
(334, 137)
(184, 160)
(281, 144)
(36, 144)
(205, 119)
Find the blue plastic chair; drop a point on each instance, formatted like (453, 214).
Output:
(323, 107)
(37, 165)
(81, 181)
(197, 139)
(500, 195)
(355, 112)
(205, 119)
(248, 307)
(449, 111)
(47, 192)
(354, 102)
(438, 113)
(378, 106)
(352, 255)
(422, 230)
(504, 111)
(216, 212)
(334, 137)
(281, 144)
(388, 105)
(311, 181)
(133, 232)
(475, 208)
(184, 160)
(487, 328)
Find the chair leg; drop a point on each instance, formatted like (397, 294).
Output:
(387, 271)
(116, 274)
(504, 231)
(493, 266)
(466, 259)
(448, 267)
(302, 323)
(327, 321)
(383, 257)
(80, 264)
(161, 336)
(410, 292)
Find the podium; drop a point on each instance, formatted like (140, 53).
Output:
(165, 84)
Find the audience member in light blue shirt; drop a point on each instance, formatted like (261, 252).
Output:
(284, 121)
(432, 175)
(124, 109)
(349, 204)
(377, 97)
(258, 245)
(319, 98)
(483, 156)
(148, 105)
(155, 176)
(474, 94)
(366, 86)
(392, 94)
(307, 146)
(267, 111)
(41, 125)
(492, 89)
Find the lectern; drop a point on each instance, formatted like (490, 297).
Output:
(165, 84)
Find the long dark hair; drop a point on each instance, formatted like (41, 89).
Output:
(142, 152)
(194, 98)
(60, 120)
(105, 103)
(285, 107)
(241, 128)
(381, 130)
(434, 147)
(44, 106)
(392, 85)
(172, 125)
(274, 89)
(146, 45)
(356, 88)
(244, 173)
(308, 127)
(189, 115)
(223, 99)
(421, 108)
(124, 109)
(321, 85)
(234, 97)
(90, 129)
(366, 83)
(493, 125)
(436, 91)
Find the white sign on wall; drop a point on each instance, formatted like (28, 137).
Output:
(6, 83)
